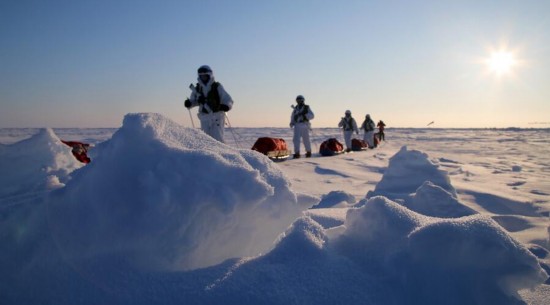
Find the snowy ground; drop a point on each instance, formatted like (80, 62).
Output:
(164, 215)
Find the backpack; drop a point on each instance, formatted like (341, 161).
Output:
(358, 145)
(369, 125)
(79, 150)
(301, 114)
(213, 99)
(348, 124)
(274, 148)
(331, 147)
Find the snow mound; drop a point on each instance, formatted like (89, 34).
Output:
(406, 172)
(432, 200)
(386, 255)
(379, 228)
(470, 260)
(300, 270)
(335, 199)
(304, 239)
(165, 197)
(471, 254)
(35, 165)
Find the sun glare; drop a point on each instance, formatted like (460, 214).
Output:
(501, 62)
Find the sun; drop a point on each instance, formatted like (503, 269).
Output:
(501, 62)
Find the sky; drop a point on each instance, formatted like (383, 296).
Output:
(88, 63)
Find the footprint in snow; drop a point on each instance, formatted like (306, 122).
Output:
(537, 192)
(517, 183)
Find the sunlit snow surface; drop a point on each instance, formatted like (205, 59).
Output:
(166, 215)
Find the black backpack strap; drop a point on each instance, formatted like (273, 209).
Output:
(212, 98)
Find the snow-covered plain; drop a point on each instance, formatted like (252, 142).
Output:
(165, 215)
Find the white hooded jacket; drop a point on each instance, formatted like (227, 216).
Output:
(203, 89)
(301, 114)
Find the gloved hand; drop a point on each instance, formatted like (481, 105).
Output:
(187, 103)
(224, 108)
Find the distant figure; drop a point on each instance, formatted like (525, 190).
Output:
(299, 120)
(381, 126)
(348, 125)
(368, 127)
(213, 102)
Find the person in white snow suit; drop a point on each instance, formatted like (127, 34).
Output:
(348, 125)
(299, 120)
(368, 127)
(213, 102)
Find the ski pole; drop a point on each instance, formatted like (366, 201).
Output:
(232, 132)
(191, 116)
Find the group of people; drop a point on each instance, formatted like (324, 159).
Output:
(349, 126)
(213, 101)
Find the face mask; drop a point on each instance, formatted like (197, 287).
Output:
(204, 77)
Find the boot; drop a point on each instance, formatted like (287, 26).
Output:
(296, 156)
(308, 154)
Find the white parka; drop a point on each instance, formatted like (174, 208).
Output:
(204, 89)
(348, 125)
(212, 123)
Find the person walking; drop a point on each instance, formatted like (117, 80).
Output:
(213, 101)
(348, 125)
(368, 127)
(381, 125)
(300, 121)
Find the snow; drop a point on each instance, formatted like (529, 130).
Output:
(166, 215)
(28, 172)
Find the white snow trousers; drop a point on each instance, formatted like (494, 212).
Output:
(347, 138)
(301, 131)
(213, 124)
(369, 138)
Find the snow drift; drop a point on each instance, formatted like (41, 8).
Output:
(432, 200)
(417, 183)
(160, 201)
(34, 166)
(469, 260)
(387, 254)
(406, 172)
(167, 197)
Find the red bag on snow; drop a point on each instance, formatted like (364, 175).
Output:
(331, 147)
(274, 148)
(79, 150)
(358, 145)
(266, 144)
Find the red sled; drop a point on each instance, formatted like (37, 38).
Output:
(358, 145)
(273, 148)
(79, 150)
(331, 147)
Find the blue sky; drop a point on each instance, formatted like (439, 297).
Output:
(88, 63)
